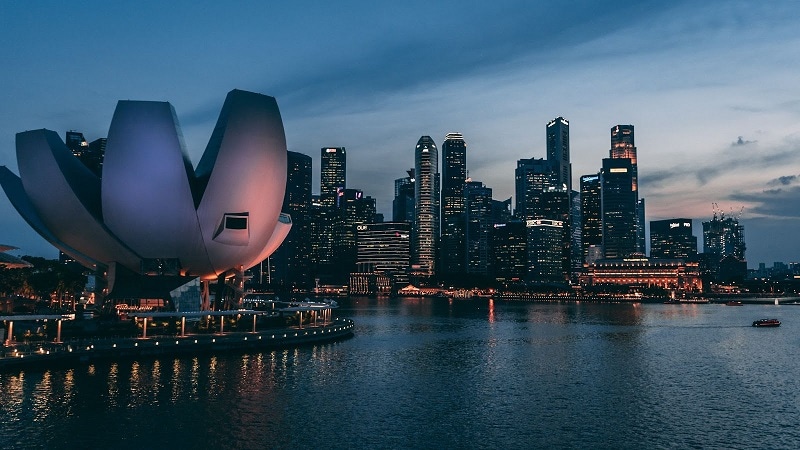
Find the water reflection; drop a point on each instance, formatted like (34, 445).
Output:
(440, 373)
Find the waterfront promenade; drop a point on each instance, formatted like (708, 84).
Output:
(17, 355)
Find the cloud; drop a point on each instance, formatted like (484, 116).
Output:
(740, 142)
(783, 181)
(779, 202)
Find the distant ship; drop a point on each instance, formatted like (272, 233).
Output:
(767, 323)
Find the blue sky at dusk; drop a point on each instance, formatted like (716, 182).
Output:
(711, 87)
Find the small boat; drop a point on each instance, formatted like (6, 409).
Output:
(734, 303)
(767, 323)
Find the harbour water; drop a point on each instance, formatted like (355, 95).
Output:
(439, 373)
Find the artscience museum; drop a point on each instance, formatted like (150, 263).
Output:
(152, 222)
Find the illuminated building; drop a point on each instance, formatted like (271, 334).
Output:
(724, 236)
(177, 224)
(532, 177)
(332, 182)
(672, 239)
(384, 254)
(724, 247)
(545, 250)
(623, 147)
(333, 165)
(618, 208)
(478, 221)
(91, 155)
(403, 203)
(454, 177)
(510, 258)
(670, 274)
(591, 217)
(290, 264)
(426, 210)
(354, 209)
(558, 152)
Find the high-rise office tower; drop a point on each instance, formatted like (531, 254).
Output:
(624, 147)
(510, 254)
(555, 206)
(545, 250)
(576, 247)
(478, 221)
(618, 208)
(76, 143)
(320, 245)
(333, 165)
(558, 151)
(532, 177)
(354, 209)
(403, 203)
(328, 217)
(672, 238)
(91, 155)
(385, 247)
(97, 151)
(501, 211)
(591, 218)
(426, 210)
(454, 176)
(640, 230)
(291, 262)
(383, 258)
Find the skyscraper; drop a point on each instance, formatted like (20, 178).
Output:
(672, 238)
(624, 147)
(723, 248)
(558, 151)
(532, 177)
(545, 250)
(333, 167)
(383, 257)
(403, 203)
(454, 176)
(478, 222)
(426, 210)
(354, 209)
(91, 155)
(619, 207)
(724, 236)
(510, 257)
(291, 262)
(591, 217)
(327, 215)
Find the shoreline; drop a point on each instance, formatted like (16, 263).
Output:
(81, 352)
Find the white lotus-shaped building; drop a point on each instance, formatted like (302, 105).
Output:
(151, 213)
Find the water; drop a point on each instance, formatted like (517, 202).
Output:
(433, 373)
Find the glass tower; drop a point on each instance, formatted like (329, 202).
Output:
(426, 210)
(619, 208)
(558, 151)
(454, 175)
(332, 173)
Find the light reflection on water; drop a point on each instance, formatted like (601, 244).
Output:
(439, 373)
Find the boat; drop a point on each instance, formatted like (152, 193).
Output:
(734, 303)
(767, 323)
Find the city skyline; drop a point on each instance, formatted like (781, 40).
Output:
(710, 89)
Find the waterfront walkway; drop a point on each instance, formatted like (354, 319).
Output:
(18, 355)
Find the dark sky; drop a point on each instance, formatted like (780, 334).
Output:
(711, 88)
